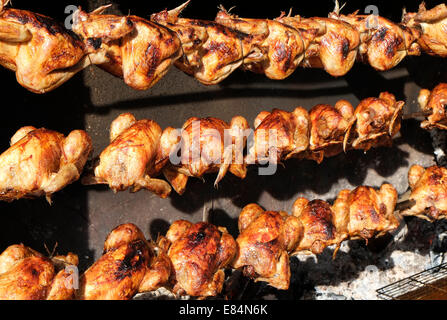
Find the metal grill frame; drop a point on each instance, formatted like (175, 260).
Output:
(417, 286)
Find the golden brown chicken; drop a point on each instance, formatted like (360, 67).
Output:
(26, 274)
(199, 254)
(41, 162)
(279, 135)
(433, 104)
(328, 128)
(432, 25)
(42, 53)
(129, 160)
(322, 227)
(276, 48)
(368, 212)
(211, 52)
(206, 145)
(266, 238)
(428, 196)
(129, 265)
(376, 121)
(383, 44)
(137, 50)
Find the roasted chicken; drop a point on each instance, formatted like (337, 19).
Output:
(266, 238)
(129, 160)
(41, 162)
(199, 254)
(206, 145)
(26, 274)
(42, 53)
(135, 49)
(322, 227)
(428, 198)
(279, 135)
(368, 212)
(129, 265)
(383, 44)
(431, 25)
(211, 52)
(433, 104)
(376, 121)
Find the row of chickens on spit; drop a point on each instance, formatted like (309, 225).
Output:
(192, 257)
(44, 54)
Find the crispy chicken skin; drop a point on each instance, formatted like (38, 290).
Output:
(383, 44)
(41, 162)
(368, 212)
(375, 122)
(138, 50)
(432, 25)
(211, 52)
(328, 128)
(199, 253)
(322, 227)
(276, 48)
(26, 274)
(40, 51)
(433, 103)
(279, 135)
(428, 192)
(129, 160)
(206, 145)
(266, 238)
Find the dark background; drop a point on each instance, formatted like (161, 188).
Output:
(81, 217)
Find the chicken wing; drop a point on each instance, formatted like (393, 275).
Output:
(322, 227)
(42, 53)
(433, 104)
(206, 145)
(199, 253)
(428, 193)
(129, 160)
(41, 162)
(26, 274)
(383, 44)
(376, 121)
(432, 25)
(211, 51)
(266, 238)
(138, 50)
(279, 135)
(369, 212)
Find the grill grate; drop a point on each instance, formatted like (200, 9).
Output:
(430, 284)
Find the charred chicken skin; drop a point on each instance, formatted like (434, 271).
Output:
(428, 193)
(135, 49)
(199, 254)
(39, 50)
(433, 103)
(129, 265)
(206, 145)
(431, 25)
(26, 274)
(129, 160)
(266, 238)
(41, 162)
